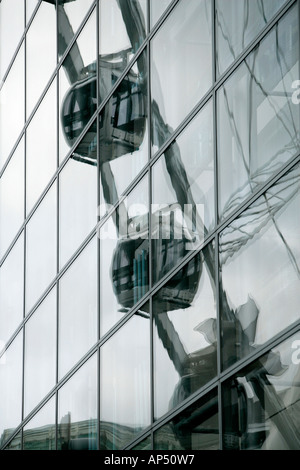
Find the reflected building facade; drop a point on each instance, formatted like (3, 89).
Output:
(149, 224)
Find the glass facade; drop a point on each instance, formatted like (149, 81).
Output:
(149, 225)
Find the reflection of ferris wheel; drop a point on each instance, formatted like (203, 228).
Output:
(122, 129)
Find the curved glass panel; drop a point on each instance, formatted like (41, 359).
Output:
(260, 270)
(184, 333)
(39, 432)
(12, 198)
(258, 122)
(40, 353)
(181, 72)
(238, 22)
(125, 382)
(77, 410)
(261, 403)
(183, 195)
(78, 309)
(12, 291)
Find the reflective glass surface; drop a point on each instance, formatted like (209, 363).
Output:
(257, 120)
(184, 333)
(30, 6)
(39, 432)
(78, 309)
(78, 87)
(77, 410)
(15, 443)
(124, 257)
(12, 291)
(11, 30)
(12, 198)
(196, 428)
(40, 53)
(238, 22)
(11, 388)
(157, 7)
(125, 382)
(122, 29)
(77, 204)
(40, 353)
(261, 403)
(41, 148)
(259, 260)
(12, 106)
(183, 195)
(144, 445)
(70, 16)
(181, 73)
(123, 144)
(41, 248)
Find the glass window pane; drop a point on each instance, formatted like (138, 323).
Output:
(40, 53)
(124, 257)
(123, 134)
(77, 204)
(41, 248)
(40, 353)
(196, 428)
(39, 433)
(30, 6)
(122, 30)
(125, 382)
(15, 443)
(261, 403)
(183, 195)
(12, 97)
(77, 410)
(257, 120)
(146, 444)
(157, 8)
(11, 30)
(181, 73)
(78, 309)
(12, 198)
(70, 16)
(184, 335)
(77, 87)
(11, 389)
(41, 148)
(259, 260)
(237, 24)
(12, 291)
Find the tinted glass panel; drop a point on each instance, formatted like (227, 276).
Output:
(124, 257)
(12, 199)
(41, 249)
(77, 410)
(11, 291)
(39, 433)
(41, 148)
(40, 353)
(123, 144)
(40, 53)
(78, 309)
(12, 108)
(78, 202)
(122, 28)
(185, 340)
(261, 403)
(196, 428)
(125, 382)
(257, 120)
(11, 389)
(181, 70)
(11, 30)
(15, 443)
(260, 259)
(238, 23)
(183, 195)
(78, 89)
(144, 445)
